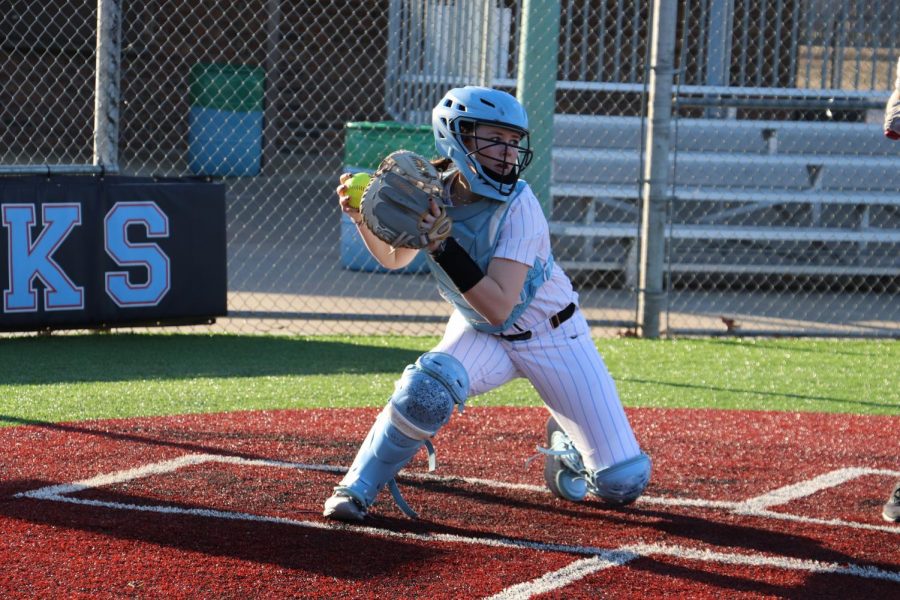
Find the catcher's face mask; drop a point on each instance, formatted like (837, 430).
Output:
(498, 150)
(485, 133)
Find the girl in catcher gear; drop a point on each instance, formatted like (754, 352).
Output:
(515, 315)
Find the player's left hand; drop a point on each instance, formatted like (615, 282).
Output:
(344, 199)
(429, 220)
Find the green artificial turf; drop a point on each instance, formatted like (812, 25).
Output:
(75, 377)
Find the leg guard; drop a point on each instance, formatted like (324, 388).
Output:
(421, 404)
(623, 482)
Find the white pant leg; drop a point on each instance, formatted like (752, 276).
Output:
(568, 372)
(484, 358)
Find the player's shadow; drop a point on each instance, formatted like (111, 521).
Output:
(673, 528)
(732, 538)
(729, 535)
(332, 552)
(797, 586)
(347, 554)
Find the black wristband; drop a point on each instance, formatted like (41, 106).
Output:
(458, 265)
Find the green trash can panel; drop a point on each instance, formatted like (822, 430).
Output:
(236, 88)
(366, 144)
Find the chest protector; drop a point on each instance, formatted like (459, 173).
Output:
(476, 227)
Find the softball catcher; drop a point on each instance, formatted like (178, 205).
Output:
(515, 314)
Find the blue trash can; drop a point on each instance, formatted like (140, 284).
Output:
(226, 120)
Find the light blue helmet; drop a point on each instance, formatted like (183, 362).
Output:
(455, 118)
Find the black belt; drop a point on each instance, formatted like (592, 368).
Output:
(555, 321)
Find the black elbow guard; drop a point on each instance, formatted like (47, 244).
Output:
(459, 266)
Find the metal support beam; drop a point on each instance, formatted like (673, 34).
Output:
(718, 55)
(536, 85)
(651, 293)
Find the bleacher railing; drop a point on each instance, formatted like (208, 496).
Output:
(779, 53)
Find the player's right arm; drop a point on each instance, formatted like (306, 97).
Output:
(386, 256)
(495, 296)
(497, 292)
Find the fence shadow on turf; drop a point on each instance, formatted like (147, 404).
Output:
(846, 347)
(107, 358)
(102, 429)
(751, 393)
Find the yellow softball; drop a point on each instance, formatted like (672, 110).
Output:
(356, 185)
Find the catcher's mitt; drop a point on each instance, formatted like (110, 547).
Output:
(398, 197)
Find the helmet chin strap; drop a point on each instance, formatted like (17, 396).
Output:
(508, 179)
(504, 184)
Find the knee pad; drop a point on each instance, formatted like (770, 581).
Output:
(623, 482)
(426, 393)
(449, 371)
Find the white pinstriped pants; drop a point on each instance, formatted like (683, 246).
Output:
(568, 373)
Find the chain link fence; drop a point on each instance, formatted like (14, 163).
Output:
(783, 204)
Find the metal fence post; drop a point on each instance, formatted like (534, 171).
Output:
(488, 57)
(106, 97)
(718, 56)
(656, 168)
(537, 65)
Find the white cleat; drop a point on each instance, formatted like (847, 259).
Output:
(891, 510)
(343, 507)
(563, 469)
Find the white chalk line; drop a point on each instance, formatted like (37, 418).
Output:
(809, 487)
(167, 466)
(758, 507)
(613, 558)
(566, 576)
(598, 558)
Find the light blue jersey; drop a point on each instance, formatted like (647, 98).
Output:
(476, 227)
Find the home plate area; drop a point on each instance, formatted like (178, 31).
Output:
(741, 504)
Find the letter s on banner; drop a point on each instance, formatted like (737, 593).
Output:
(125, 253)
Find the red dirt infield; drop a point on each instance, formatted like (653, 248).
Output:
(741, 504)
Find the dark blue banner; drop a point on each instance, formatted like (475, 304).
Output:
(98, 252)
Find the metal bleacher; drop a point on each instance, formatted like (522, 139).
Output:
(747, 196)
